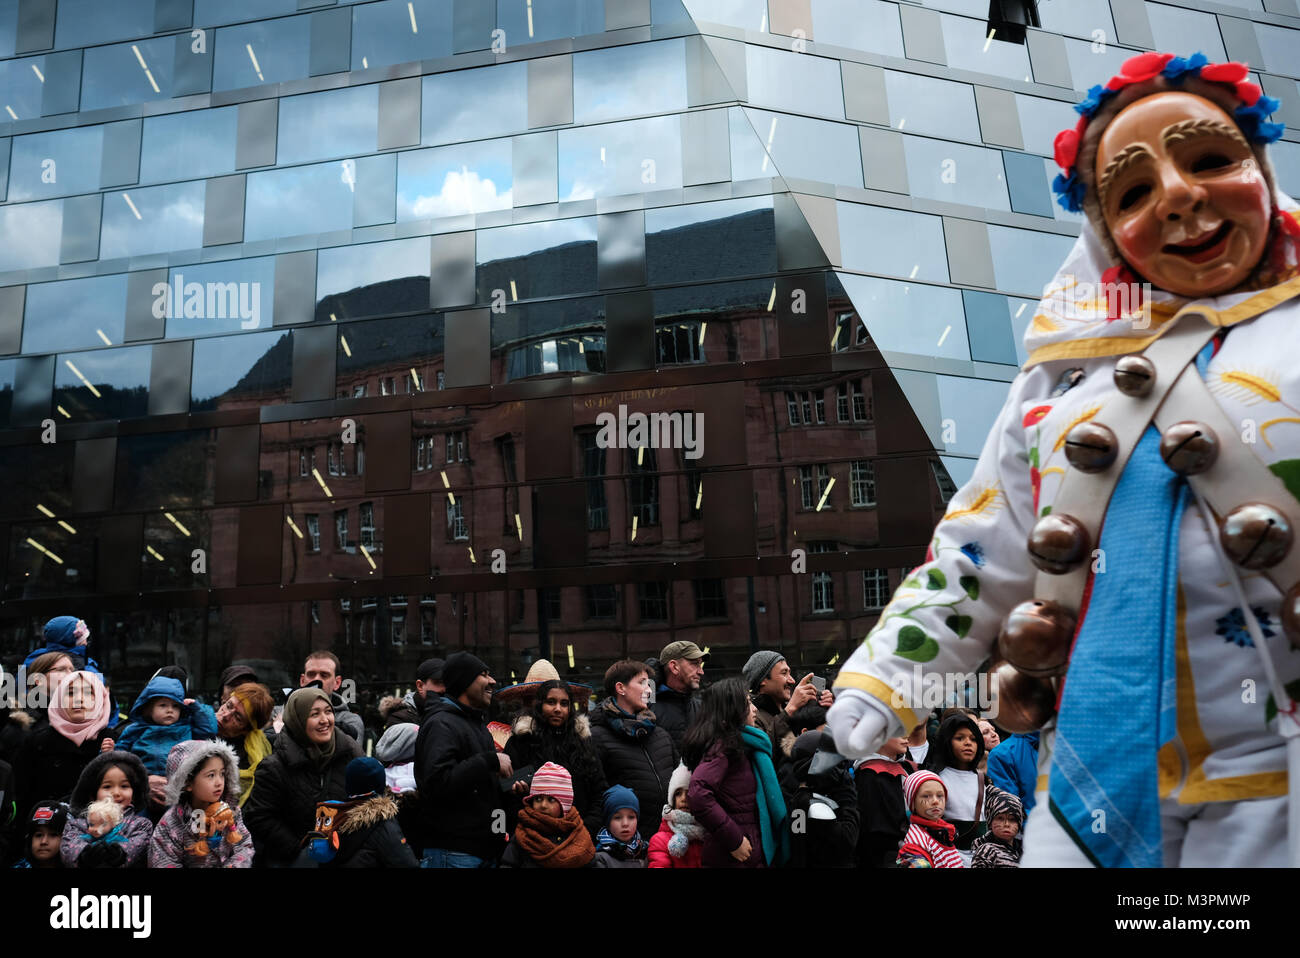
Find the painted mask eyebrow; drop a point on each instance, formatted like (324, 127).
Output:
(1189, 129)
(1119, 162)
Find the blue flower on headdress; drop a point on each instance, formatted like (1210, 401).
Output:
(1092, 102)
(1252, 120)
(1177, 68)
(1069, 191)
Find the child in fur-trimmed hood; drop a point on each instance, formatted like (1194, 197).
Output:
(366, 825)
(202, 827)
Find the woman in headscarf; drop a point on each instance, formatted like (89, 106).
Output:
(306, 767)
(52, 758)
(239, 724)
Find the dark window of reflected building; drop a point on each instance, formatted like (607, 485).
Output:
(947, 488)
(551, 600)
(643, 486)
(302, 463)
(652, 597)
(593, 470)
(341, 530)
(810, 495)
(823, 586)
(510, 493)
(875, 588)
(680, 343)
(710, 599)
(457, 530)
(367, 522)
(602, 601)
(456, 446)
(851, 403)
(849, 331)
(313, 531)
(694, 487)
(361, 459)
(422, 458)
(862, 482)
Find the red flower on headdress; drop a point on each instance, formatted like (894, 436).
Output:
(1066, 148)
(1138, 69)
(1248, 93)
(1224, 72)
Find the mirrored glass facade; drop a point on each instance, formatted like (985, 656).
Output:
(557, 330)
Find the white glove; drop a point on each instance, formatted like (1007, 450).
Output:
(859, 728)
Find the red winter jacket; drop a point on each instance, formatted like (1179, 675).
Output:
(660, 857)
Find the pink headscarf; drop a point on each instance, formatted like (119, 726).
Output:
(98, 718)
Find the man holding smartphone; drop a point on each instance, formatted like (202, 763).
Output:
(776, 694)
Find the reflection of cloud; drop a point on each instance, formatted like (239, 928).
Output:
(297, 202)
(197, 143)
(171, 219)
(462, 191)
(41, 227)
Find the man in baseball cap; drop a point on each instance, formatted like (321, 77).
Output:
(681, 669)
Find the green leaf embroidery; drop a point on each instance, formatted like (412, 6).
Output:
(937, 580)
(1033, 456)
(971, 585)
(1292, 689)
(914, 644)
(1046, 510)
(1288, 470)
(960, 624)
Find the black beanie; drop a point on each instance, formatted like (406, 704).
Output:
(460, 671)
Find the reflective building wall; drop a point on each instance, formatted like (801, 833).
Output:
(311, 314)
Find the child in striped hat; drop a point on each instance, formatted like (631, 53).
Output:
(929, 840)
(550, 833)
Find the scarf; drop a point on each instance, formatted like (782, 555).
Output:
(115, 837)
(555, 842)
(608, 843)
(255, 747)
(771, 803)
(625, 723)
(943, 832)
(1122, 668)
(296, 710)
(685, 830)
(96, 719)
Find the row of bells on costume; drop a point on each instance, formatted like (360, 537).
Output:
(1034, 644)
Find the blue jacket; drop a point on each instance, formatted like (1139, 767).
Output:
(1013, 767)
(60, 636)
(151, 743)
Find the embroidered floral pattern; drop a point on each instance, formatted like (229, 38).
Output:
(1233, 626)
(913, 641)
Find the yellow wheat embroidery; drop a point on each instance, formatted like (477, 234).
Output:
(1044, 324)
(1082, 417)
(1246, 387)
(985, 501)
(1051, 469)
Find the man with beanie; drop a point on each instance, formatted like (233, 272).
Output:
(460, 773)
(777, 697)
(428, 688)
(681, 669)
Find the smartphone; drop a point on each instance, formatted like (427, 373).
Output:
(819, 684)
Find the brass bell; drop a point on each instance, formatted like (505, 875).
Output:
(1020, 703)
(1091, 447)
(1256, 536)
(1058, 543)
(1135, 375)
(1291, 615)
(1189, 448)
(1036, 638)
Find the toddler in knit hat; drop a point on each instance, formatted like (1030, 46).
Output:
(679, 843)
(619, 845)
(929, 842)
(550, 833)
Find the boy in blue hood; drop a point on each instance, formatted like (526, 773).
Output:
(161, 718)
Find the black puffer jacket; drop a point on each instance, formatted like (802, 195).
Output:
(636, 756)
(282, 809)
(674, 712)
(462, 801)
(49, 765)
(369, 837)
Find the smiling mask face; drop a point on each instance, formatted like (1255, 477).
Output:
(1182, 194)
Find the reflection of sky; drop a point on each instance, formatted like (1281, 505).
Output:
(260, 270)
(282, 48)
(551, 19)
(125, 368)
(959, 470)
(585, 173)
(76, 154)
(19, 88)
(65, 315)
(1089, 66)
(1024, 261)
(323, 125)
(1277, 44)
(675, 217)
(937, 107)
(209, 13)
(1041, 119)
(1189, 30)
(746, 14)
(973, 405)
(84, 22)
(963, 42)
(1286, 165)
(509, 242)
(747, 153)
(221, 363)
(796, 82)
(301, 201)
(910, 317)
(977, 175)
(171, 218)
(381, 32)
(41, 227)
(112, 76)
(630, 81)
(474, 104)
(189, 145)
(454, 180)
(809, 149)
(8, 27)
(349, 267)
(871, 25)
(1077, 18)
(878, 240)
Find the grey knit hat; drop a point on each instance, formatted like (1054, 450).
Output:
(397, 745)
(759, 666)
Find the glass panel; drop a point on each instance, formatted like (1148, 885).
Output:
(795, 82)
(375, 198)
(269, 51)
(382, 32)
(991, 338)
(1079, 18)
(730, 321)
(630, 81)
(8, 27)
(619, 158)
(878, 240)
(55, 164)
(1286, 165)
(370, 279)
(8, 369)
(69, 314)
(746, 14)
(167, 468)
(388, 350)
(749, 161)
(211, 13)
(1024, 261)
(974, 405)
(299, 202)
(231, 371)
(967, 47)
(970, 8)
(127, 73)
(184, 146)
(662, 11)
(41, 227)
(532, 21)
(324, 125)
(1041, 119)
(1185, 31)
(81, 23)
(474, 104)
(1278, 44)
(705, 241)
(937, 107)
(1089, 67)
(870, 25)
(910, 317)
(550, 337)
(105, 384)
(1028, 184)
(809, 149)
(206, 298)
(531, 260)
(453, 180)
(939, 170)
(152, 220)
(20, 89)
